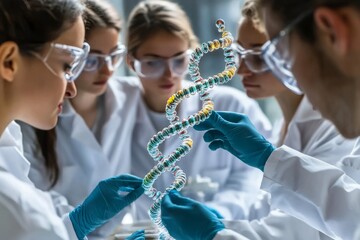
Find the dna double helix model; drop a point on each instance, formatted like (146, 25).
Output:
(201, 86)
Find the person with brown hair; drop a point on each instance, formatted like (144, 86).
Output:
(313, 48)
(159, 41)
(38, 64)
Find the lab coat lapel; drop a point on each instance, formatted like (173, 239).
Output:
(12, 159)
(304, 113)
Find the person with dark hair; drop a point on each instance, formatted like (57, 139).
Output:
(92, 138)
(38, 64)
(313, 48)
(159, 41)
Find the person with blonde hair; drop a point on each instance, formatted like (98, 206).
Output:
(159, 42)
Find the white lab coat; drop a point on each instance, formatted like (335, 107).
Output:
(238, 183)
(311, 134)
(26, 213)
(311, 190)
(83, 160)
(322, 195)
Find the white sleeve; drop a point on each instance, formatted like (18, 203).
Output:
(228, 234)
(276, 226)
(318, 193)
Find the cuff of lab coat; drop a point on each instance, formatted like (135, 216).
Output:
(271, 169)
(69, 227)
(227, 234)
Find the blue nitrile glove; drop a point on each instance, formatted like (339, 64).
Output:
(210, 208)
(214, 211)
(104, 202)
(185, 218)
(138, 235)
(235, 133)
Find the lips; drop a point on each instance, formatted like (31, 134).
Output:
(249, 83)
(100, 82)
(166, 86)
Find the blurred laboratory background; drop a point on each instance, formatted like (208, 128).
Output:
(203, 14)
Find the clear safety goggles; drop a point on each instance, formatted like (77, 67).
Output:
(252, 58)
(154, 67)
(113, 60)
(277, 56)
(73, 58)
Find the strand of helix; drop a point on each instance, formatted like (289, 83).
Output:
(200, 86)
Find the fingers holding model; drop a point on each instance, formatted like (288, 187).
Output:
(235, 133)
(104, 202)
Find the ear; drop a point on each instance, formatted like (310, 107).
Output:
(334, 29)
(9, 60)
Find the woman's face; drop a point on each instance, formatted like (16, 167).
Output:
(328, 88)
(169, 49)
(103, 41)
(256, 85)
(41, 88)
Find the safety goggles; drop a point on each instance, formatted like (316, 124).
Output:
(72, 57)
(154, 67)
(277, 56)
(252, 58)
(113, 60)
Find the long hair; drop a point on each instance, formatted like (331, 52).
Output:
(97, 13)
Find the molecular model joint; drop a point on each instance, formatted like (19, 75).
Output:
(201, 86)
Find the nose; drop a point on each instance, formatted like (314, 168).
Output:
(107, 67)
(168, 72)
(70, 91)
(243, 70)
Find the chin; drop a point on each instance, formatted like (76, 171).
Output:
(348, 132)
(51, 123)
(348, 127)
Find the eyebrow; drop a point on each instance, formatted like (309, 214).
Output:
(253, 45)
(158, 56)
(100, 52)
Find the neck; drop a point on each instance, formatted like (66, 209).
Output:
(156, 104)
(288, 102)
(5, 117)
(85, 104)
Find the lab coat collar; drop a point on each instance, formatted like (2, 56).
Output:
(192, 105)
(114, 106)
(12, 159)
(113, 103)
(306, 112)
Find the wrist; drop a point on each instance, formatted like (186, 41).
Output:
(211, 233)
(74, 218)
(265, 156)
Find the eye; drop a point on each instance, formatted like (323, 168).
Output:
(180, 61)
(91, 61)
(67, 68)
(152, 63)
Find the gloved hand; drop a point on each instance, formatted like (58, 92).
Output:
(104, 202)
(138, 235)
(214, 211)
(235, 133)
(185, 218)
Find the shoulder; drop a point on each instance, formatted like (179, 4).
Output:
(232, 99)
(28, 214)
